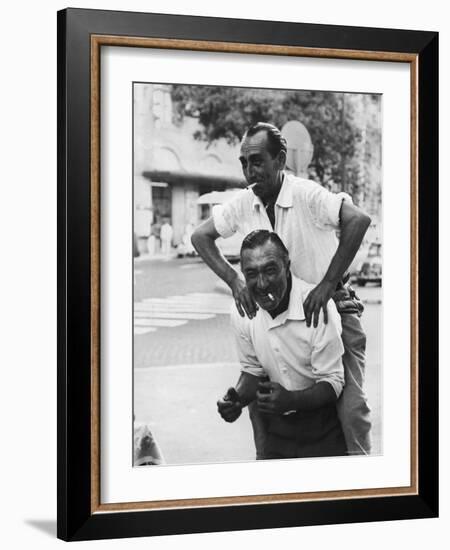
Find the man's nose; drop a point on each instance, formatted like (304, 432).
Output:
(262, 282)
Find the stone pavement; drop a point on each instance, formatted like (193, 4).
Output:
(179, 405)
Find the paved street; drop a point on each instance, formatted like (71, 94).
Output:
(184, 359)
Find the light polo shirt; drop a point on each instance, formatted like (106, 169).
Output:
(286, 350)
(306, 219)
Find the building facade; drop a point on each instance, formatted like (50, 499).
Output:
(171, 168)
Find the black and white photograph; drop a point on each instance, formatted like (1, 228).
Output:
(161, 387)
(257, 274)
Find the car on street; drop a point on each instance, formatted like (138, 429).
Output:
(370, 270)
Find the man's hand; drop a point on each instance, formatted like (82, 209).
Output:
(230, 406)
(244, 302)
(204, 242)
(316, 300)
(353, 225)
(272, 398)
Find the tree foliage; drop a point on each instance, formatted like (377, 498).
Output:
(225, 112)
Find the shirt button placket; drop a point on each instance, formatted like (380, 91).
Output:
(279, 363)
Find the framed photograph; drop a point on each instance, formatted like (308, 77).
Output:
(210, 171)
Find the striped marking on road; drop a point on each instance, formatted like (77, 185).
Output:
(159, 322)
(175, 311)
(139, 331)
(186, 308)
(175, 315)
(180, 301)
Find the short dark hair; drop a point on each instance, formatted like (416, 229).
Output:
(262, 236)
(277, 142)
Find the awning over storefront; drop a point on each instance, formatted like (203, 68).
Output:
(216, 197)
(180, 177)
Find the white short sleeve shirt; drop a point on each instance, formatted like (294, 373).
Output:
(306, 219)
(286, 350)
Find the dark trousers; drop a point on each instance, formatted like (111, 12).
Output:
(304, 434)
(352, 406)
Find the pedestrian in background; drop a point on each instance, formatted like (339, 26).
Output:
(166, 238)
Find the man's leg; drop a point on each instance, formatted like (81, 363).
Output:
(259, 426)
(352, 407)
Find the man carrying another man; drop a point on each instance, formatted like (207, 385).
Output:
(306, 217)
(303, 363)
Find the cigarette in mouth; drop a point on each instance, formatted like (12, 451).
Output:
(270, 296)
(251, 185)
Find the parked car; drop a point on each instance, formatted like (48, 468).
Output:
(371, 268)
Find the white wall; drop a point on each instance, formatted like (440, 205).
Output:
(28, 274)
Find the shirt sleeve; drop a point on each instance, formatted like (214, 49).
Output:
(327, 350)
(246, 352)
(225, 219)
(325, 206)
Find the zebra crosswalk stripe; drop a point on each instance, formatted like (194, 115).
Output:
(175, 315)
(173, 311)
(159, 322)
(139, 331)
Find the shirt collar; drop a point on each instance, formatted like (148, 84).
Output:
(284, 199)
(295, 311)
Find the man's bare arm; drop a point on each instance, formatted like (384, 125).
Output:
(246, 387)
(272, 398)
(204, 241)
(354, 224)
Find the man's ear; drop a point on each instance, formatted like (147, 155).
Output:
(281, 158)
